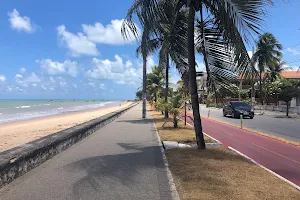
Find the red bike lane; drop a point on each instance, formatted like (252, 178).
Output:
(280, 157)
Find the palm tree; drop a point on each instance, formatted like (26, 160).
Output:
(155, 83)
(274, 71)
(268, 54)
(168, 36)
(235, 22)
(142, 8)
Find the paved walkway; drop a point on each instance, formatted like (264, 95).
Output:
(120, 161)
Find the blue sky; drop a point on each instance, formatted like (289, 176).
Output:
(70, 49)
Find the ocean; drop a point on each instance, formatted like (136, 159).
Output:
(18, 110)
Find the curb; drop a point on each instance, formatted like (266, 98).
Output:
(274, 173)
(205, 133)
(174, 192)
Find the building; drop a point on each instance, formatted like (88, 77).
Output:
(246, 84)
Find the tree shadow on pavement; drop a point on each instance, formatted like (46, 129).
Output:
(138, 170)
(137, 121)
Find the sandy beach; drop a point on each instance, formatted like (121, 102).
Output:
(17, 133)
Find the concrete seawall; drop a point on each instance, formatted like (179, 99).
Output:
(19, 160)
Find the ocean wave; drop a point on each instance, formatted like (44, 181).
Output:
(47, 104)
(23, 107)
(60, 108)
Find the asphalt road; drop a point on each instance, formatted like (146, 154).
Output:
(281, 127)
(119, 161)
(280, 157)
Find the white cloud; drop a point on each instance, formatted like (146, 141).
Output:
(2, 78)
(18, 76)
(74, 85)
(109, 34)
(34, 84)
(116, 70)
(57, 68)
(20, 23)
(22, 70)
(250, 53)
(27, 81)
(92, 84)
(78, 44)
(293, 51)
(62, 84)
(150, 64)
(52, 80)
(102, 86)
(44, 87)
(33, 78)
(200, 66)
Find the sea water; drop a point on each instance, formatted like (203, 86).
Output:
(18, 110)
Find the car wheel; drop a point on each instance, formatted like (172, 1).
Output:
(224, 114)
(236, 115)
(251, 117)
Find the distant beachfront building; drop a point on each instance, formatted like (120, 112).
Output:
(246, 84)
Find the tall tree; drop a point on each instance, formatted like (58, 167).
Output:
(143, 10)
(266, 55)
(235, 20)
(168, 36)
(155, 83)
(275, 70)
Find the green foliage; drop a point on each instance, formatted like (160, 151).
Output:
(155, 84)
(287, 93)
(174, 106)
(139, 94)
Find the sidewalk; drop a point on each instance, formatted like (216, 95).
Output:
(120, 161)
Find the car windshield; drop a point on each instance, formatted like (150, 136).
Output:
(240, 104)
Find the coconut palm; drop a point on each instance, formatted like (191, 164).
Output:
(144, 13)
(274, 71)
(267, 55)
(155, 83)
(167, 37)
(235, 20)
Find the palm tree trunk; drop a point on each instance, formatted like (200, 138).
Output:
(167, 85)
(287, 108)
(252, 90)
(260, 89)
(144, 85)
(192, 78)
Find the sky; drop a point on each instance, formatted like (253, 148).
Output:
(73, 49)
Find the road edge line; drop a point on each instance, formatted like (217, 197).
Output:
(174, 192)
(204, 133)
(263, 167)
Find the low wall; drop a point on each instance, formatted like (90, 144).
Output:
(295, 110)
(19, 160)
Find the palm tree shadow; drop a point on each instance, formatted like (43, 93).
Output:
(137, 121)
(121, 173)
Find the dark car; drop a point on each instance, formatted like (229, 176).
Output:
(238, 108)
